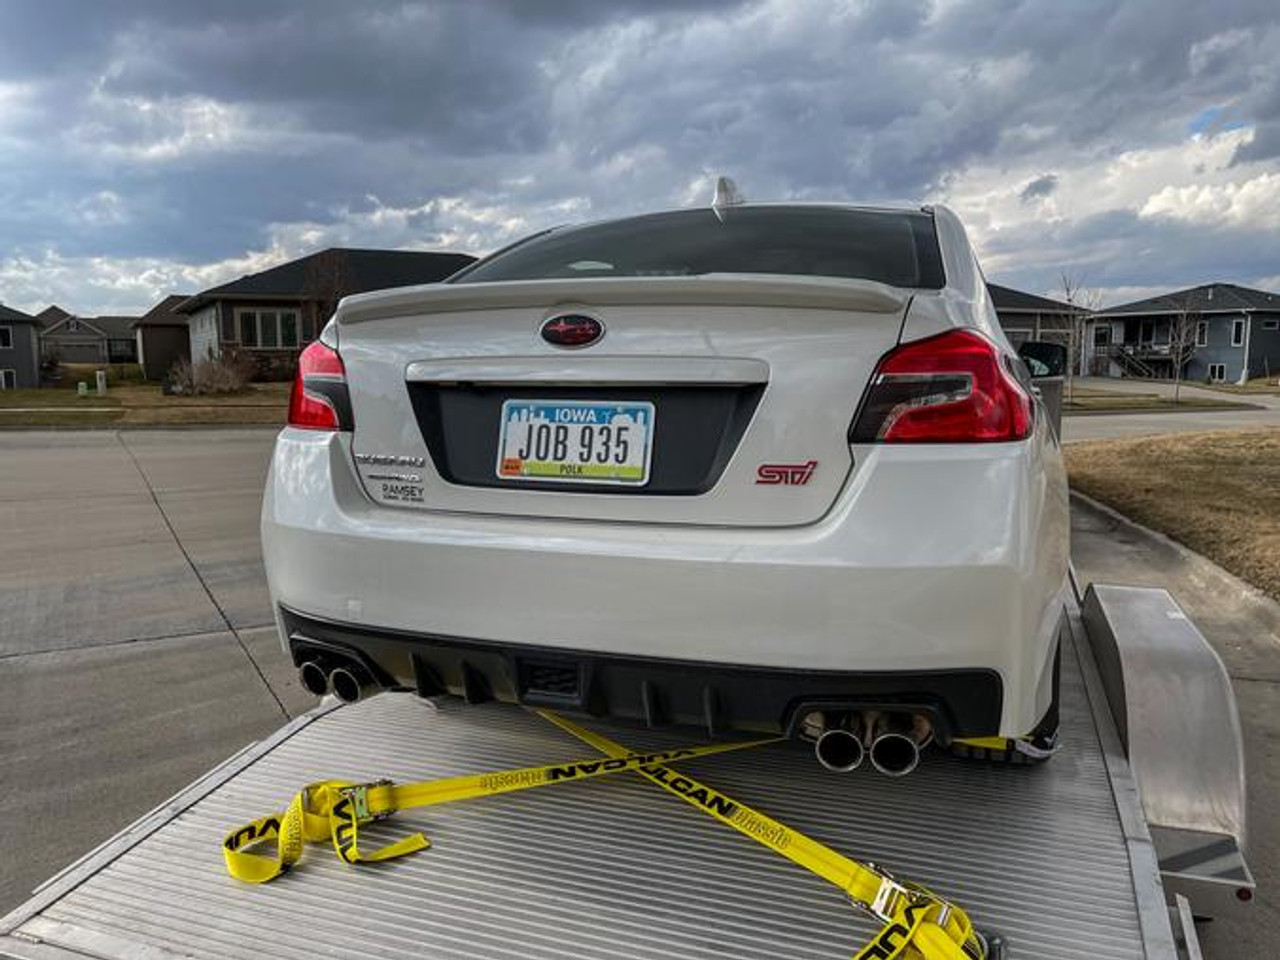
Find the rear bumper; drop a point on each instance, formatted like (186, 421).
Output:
(905, 579)
(963, 703)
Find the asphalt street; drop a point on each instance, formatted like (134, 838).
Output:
(137, 649)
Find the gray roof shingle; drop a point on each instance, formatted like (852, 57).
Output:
(10, 315)
(116, 328)
(164, 313)
(1008, 299)
(1209, 298)
(337, 270)
(52, 314)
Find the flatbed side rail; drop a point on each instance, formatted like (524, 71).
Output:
(1175, 713)
(1153, 914)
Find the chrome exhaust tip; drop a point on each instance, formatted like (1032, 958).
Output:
(839, 750)
(350, 683)
(894, 754)
(313, 678)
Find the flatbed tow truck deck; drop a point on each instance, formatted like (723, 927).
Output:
(1056, 858)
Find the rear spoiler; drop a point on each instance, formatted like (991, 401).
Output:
(726, 289)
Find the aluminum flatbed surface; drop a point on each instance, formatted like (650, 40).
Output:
(613, 868)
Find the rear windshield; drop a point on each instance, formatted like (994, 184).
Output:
(897, 248)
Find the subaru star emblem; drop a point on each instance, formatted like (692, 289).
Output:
(572, 330)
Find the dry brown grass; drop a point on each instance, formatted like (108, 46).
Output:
(274, 395)
(143, 404)
(1269, 384)
(1218, 493)
(55, 398)
(103, 416)
(223, 413)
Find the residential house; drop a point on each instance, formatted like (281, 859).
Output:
(70, 339)
(1025, 316)
(19, 349)
(1231, 333)
(163, 337)
(272, 315)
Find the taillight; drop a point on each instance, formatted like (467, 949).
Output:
(319, 400)
(950, 388)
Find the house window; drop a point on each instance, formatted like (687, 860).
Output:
(1237, 333)
(229, 327)
(268, 329)
(73, 325)
(8, 380)
(6, 338)
(1217, 372)
(1271, 324)
(1202, 333)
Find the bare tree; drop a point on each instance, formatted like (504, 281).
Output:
(328, 280)
(1084, 302)
(1183, 326)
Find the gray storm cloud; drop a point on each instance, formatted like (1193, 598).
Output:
(151, 145)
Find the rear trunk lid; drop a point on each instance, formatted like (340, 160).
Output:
(737, 390)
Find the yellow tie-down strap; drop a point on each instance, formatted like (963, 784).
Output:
(918, 924)
(335, 809)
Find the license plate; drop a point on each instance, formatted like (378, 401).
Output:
(576, 441)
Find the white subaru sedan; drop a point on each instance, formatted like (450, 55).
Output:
(757, 467)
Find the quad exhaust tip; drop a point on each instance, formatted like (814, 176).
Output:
(896, 742)
(839, 750)
(894, 754)
(313, 678)
(349, 681)
(892, 741)
(837, 742)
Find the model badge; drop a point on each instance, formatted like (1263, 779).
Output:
(572, 330)
(388, 460)
(790, 474)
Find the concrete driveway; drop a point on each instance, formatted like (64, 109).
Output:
(137, 651)
(1116, 426)
(136, 643)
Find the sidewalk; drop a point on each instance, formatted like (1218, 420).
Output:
(1244, 627)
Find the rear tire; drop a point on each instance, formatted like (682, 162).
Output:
(1044, 737)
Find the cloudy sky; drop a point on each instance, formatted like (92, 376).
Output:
(148, 147)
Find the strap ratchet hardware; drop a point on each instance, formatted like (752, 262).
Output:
(359, 797)
(883, 907)
(918, 924)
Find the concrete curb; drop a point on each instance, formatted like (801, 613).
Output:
(1247, 589)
